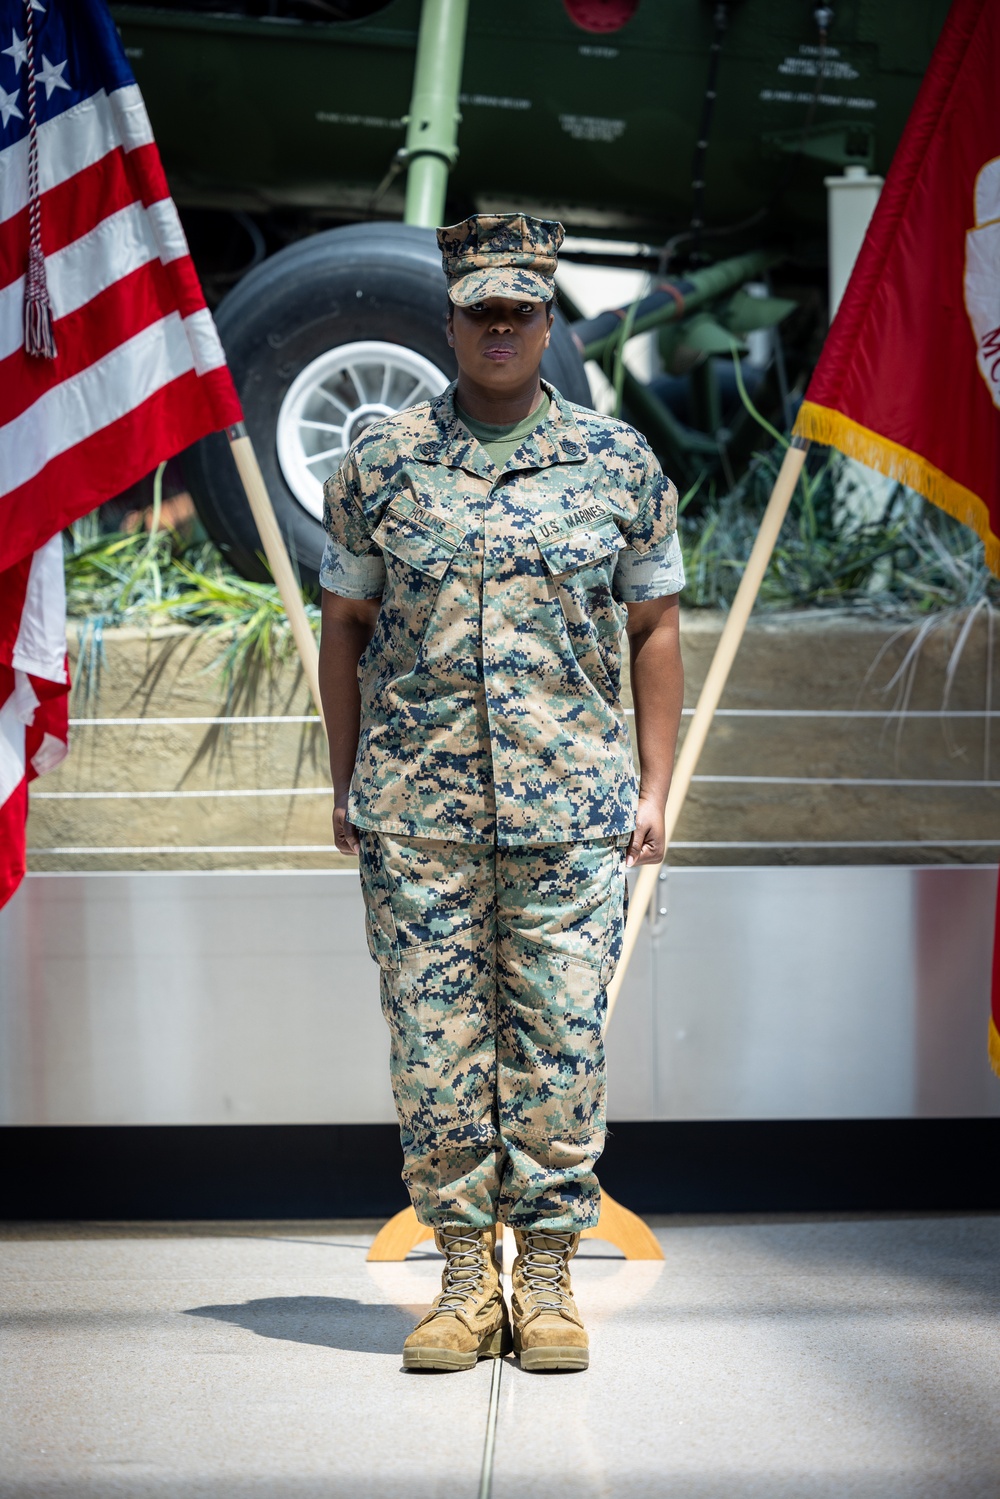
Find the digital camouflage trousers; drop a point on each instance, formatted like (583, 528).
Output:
(494, 963)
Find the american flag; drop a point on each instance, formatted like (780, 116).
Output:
(87, 226)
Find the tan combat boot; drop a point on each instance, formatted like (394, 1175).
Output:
(548, 1332)
(469, 1318)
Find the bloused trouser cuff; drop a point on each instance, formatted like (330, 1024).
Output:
(494, 963)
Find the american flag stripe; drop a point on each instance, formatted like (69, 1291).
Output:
(128, 313)
(40, 645)
(102, 288)
(75, 206)
(113, 249)
(106, 390)
(75, 139)
(161, 424)
(33, 706)
(133, 303)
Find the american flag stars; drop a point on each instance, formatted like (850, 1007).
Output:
(51, 75)
(18, 50)
(8, 106)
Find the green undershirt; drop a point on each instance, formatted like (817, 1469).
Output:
(501, 443)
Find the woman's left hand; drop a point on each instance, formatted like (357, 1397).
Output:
(647, 842)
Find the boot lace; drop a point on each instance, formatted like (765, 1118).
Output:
(464, 1271)
(543, 1263)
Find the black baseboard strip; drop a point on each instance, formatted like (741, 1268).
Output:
(59, 1172)
(804, 1165)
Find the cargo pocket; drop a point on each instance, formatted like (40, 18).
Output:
(380, 926)
(580, 564)
(418, 547)
(419, 539)
(614, 932)
(587, 546)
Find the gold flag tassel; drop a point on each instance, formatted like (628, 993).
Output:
(39, 337)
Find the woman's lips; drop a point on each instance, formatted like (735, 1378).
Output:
(499, 352)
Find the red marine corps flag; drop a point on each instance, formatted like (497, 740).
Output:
(109, 358)
(909, 378)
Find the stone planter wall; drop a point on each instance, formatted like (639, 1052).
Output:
(807, 661)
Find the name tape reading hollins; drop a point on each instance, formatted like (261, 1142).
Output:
(427, 518)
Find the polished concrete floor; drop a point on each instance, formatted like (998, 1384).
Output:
(803, 1357)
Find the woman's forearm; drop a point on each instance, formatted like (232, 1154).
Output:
(348, 626)
(657, 676)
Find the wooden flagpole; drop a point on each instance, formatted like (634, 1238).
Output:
(277, 556)
(711, 692)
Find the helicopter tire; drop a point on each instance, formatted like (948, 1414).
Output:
(378, 282)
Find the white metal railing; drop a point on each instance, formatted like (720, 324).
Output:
(732, 780)
(887, 714)
(327, 848)
(236, 720)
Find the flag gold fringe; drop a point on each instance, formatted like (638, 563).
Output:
(824, 425)
(994, 1047)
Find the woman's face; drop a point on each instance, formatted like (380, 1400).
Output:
(499, 342)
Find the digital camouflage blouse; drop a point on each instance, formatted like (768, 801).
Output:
(490, 704)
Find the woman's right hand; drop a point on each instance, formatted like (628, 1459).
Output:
(345, 834)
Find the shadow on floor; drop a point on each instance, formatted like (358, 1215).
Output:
(325, 1321)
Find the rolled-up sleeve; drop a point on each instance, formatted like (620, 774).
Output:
(653, 576)
(352, 564)
(650, 566)
(352, 577)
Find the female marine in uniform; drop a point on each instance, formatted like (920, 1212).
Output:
(486, 551)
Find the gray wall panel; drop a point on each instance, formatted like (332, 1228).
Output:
(786, 993)
(185, 998)
(765, 993)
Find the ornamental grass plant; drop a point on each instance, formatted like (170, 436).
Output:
(910, 562)
(163, 577)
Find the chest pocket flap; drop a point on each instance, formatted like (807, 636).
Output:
(418, 537)
(583, 547)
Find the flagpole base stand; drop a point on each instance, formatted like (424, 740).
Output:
(396, 1238)
(617, 1226)
(624, 1229)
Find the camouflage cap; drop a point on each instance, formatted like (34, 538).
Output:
(500, 255)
